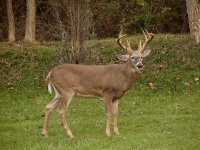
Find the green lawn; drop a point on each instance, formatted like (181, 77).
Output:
(149, 119)
(166, 116)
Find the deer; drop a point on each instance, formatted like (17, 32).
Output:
(107, 82)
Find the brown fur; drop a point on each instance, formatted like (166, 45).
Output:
(109, 82)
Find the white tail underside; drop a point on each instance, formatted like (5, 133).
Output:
(49, 88)
(57, 94)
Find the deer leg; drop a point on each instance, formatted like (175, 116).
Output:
(48, 109)
(115, 116)
(108, 108)
(65, 100)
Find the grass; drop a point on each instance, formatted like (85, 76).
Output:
(165, 116)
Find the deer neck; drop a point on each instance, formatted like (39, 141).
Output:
(131, 69)
(131, 73)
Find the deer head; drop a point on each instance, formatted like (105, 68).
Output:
(135, 57)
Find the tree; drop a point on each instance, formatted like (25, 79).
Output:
(75, 21)
(30, 22)
(11, 22)
(193, 10)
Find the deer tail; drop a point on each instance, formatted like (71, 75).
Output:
(48, 82)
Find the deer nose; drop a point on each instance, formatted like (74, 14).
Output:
(139, 65)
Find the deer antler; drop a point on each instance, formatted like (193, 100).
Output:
(141, 45)
(125, 48)
(148, 37)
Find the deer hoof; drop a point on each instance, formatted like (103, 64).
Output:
(69, 133)
(71, 136)
(116, 132)
(44, 134)
(108, 134)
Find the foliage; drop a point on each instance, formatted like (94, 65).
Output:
(160, 16)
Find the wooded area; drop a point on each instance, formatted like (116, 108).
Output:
(43, 20)
(162, 16)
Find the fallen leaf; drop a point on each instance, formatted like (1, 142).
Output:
(186, 83)
(11, 88)
(151, 85)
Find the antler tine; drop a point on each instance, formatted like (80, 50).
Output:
(140, 44)
(149, 34)
(128, 44)
(145, 32)
(148, 37)
(119, 41)
(129, 50)
(121, 32)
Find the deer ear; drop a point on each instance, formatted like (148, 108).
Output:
(123, 57)
(146, 53)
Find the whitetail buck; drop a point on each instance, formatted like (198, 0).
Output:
(108, 82)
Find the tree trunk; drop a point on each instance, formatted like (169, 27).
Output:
(193, 10)
(30, 22)
(11, 22)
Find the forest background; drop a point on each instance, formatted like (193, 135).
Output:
(161, 16)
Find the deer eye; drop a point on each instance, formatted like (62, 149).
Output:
(132, 57)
